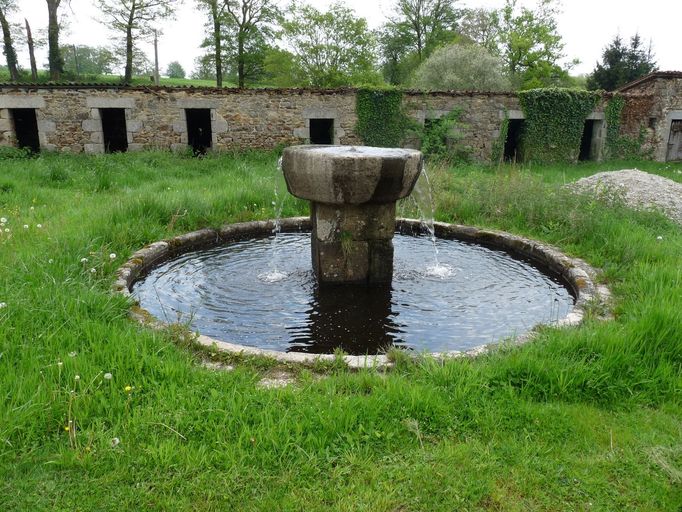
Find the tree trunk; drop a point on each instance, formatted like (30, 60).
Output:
(31, 52)
(240, 59)
(218, 47)
(129, 47)
(54, 56)
(9, 49)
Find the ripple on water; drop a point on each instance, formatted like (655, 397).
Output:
(474, 295)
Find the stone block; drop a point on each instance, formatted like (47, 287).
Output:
(134, 125)
(21, 101)
(47, 126)
(380, 261)
(92, 125)
(94, 148)
(5, 125)
(365, 222)
(132, 147)
(105, 102)
(341, 262)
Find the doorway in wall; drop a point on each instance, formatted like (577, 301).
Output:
(321, 131)
(512, 146)
(199, 136)
(675, 141)
(26, 128)
(586, 146)
(114, 130)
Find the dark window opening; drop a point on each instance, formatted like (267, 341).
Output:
(652, 122)
(586, 141)
(199, 136)
(512, 146)
(114, 130)
(26, 128)
(321, 131)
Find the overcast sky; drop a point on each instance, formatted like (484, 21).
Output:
(586, 26)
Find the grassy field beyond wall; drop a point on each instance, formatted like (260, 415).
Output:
(99, 413)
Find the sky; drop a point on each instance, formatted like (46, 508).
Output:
(586, 26)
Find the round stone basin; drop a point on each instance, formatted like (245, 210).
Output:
(260, 293)
(350, 174)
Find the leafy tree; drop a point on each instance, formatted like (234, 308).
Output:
(54, 54)
(216, 12)
(424, 24)
(481, 26)
(461, 67)
(622, 64)
(135, 19)
(88, 60)
(280, 70)
(332, 48)
(31, 51)
(531, 45)
(175, 70)
(250, 22)
(7, 6)
(398, 61)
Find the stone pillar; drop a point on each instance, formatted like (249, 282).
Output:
(353, 243)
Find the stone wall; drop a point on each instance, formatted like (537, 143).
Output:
(69, 116)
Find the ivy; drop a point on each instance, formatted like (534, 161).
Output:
(617, 145)
(381, 120)
(441, 138)
(497, 153)
(555, 119)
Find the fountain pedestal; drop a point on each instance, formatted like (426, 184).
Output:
(353, 191)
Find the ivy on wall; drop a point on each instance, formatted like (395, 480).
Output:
(442, 138)
(381, 120)
(497, 153)
(617, 145)
(555, 119)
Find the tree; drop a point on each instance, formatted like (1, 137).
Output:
(250, 22)
(31, 51)
(424, 24)
(54, 54)
(216, 11)
(88, 60)
(481, 26)
(332, 48)
(461, 67)
(175, 70)
(135, 18)
(531, 45)
(7, 6)
(621, 64)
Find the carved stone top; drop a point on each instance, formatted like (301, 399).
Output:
(350, 174)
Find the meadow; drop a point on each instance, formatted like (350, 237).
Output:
(100, 413)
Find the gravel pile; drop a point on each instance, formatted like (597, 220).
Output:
(637, 189)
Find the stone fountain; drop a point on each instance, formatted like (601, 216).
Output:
(352, 192)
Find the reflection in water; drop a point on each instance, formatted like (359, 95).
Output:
(357, 319)
(230, 293)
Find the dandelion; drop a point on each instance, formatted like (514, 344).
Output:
(112, 256)
(67, 428)
(108, 376)
(93, 270)
(128, 389)
(84, 260)
(25, 226)
(3, 305)
(3, 220)
(6, 230)
(39, 226)
(77, 378)
(115, 442)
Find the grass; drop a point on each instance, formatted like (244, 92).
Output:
(587, 418)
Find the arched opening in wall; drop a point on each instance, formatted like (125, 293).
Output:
(199, 135)
(512, 146)
(321, 131)
(675, 141)
(587, 142)
(26, 128)
(114, 130)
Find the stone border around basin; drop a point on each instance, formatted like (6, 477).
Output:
(575, 272)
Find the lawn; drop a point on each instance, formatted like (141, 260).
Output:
(99, 413)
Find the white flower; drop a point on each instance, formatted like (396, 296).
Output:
(112, 256)
(32, 208)
(25, 226)
(659, 238)
(3, 220)
(84, 260)
(73, 354)
(2, 224)
(39, 226)
(3, 305)
(115, 442)
(60, 364)
(108, 376)
(77, 378)
(6, 230)
(50, 260)
(93, 270)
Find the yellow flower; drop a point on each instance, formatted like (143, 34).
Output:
(128, 389)
(67, 428)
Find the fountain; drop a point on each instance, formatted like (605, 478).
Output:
(370, 285)
(352, 191)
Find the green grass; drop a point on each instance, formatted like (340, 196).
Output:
(587, 418)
